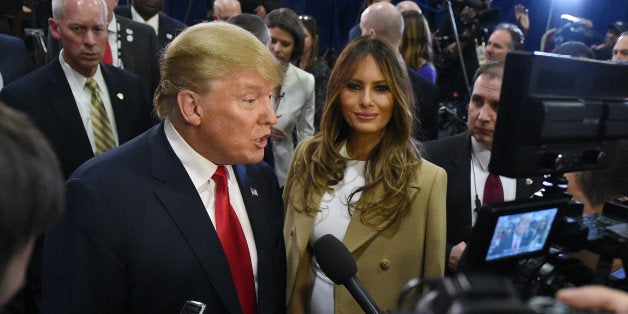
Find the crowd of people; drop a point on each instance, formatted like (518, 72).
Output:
(202, 161)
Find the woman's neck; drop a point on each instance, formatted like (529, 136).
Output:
(359, 147)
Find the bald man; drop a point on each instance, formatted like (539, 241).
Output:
(224, 9)
(383, 20)
(355, 30)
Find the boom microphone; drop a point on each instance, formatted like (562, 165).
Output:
(338, 264)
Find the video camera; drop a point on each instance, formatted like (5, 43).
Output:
(557, 114)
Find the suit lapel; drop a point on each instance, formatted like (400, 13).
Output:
(118, 97)
(183, 205)
(62, 100)
(359, 233)
(462, 190)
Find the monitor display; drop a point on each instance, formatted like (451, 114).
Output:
(519, 234)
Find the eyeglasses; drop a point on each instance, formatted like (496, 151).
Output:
(305, 17)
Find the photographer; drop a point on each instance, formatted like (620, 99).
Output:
(451, 80)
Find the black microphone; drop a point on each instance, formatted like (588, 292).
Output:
(338, 264)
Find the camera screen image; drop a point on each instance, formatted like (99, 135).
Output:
(521, 233)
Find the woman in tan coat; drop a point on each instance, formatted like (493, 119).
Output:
(362, 180)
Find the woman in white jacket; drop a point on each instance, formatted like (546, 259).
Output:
(294, 99)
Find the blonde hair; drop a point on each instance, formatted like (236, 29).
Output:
(208, 52)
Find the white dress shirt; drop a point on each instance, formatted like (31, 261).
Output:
(83, 98)
(333, 218)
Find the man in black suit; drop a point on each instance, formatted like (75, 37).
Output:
(148, 12)
(465, 157)
(59, 103)
(144, 229)
(132, 46)
(383, 20)
(15, 61)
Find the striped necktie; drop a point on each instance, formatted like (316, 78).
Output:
(103, 134)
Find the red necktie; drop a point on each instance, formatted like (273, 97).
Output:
(108, 58)
(493, 191)
(234, 244)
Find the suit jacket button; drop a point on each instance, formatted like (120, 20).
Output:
(292, 232)
(384, 264)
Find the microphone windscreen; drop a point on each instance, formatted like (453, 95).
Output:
(334, 259)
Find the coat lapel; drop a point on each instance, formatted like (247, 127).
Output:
(62, 100)
(359, 233)
(183, 205)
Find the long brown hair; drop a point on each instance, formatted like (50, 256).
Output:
(416, 42)
(390, 165)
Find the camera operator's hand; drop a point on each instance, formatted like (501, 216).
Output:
(595, 298)
(455, 254)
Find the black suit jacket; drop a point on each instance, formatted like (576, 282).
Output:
(169, 28)
(136, 237)
(138, 50)
(427, 106)
(454, 155)
(45, 95)
(14, 60)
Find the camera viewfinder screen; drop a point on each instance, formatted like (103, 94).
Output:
(519, 234)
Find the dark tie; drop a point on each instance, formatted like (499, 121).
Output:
(234, 244)
(493, 191)
(108, 58)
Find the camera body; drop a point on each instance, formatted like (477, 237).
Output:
(556, 115)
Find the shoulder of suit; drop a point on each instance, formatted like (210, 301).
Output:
(174, 23)
(447, 143)
(302, 74)
(110, 70)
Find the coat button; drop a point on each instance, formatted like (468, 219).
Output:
(384, 264)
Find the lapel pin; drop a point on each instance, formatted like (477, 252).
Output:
(169, 36)
(254, 192)
(120, 96)
(529, 181)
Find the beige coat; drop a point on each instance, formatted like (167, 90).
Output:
(411, 247)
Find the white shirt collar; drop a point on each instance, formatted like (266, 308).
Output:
(152, 22)
(77, 80)
(199, 168)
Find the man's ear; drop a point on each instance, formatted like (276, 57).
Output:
(187, 101)
(53, 26)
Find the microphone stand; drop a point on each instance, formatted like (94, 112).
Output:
(459, 48)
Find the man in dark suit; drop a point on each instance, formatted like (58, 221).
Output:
(148, 12)
(383, 20)
(465, 157)
(145, 226)
(15, 61)
(132, 46)
(59, 103)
